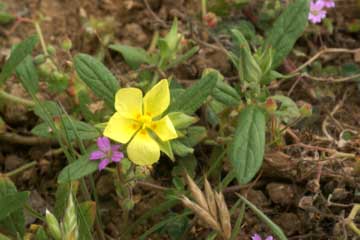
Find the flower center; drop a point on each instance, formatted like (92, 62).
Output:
(145, 121)
(315, 12)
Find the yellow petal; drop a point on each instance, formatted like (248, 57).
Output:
(143, 150)
(128, 102)
(157, 100)
(164, 128)
(120, 129)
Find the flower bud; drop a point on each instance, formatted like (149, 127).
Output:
(51, 50)
(66, 44)
(53, 225)
(39, 59)
(210, 19)
(181, 120)
(270, 105)
(305, 109)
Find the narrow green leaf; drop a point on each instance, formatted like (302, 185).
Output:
(97, 77)
(190, 100)
(165, 147)
(226, 94)
(87, 213)
(133, 56)
(180, 148)
(40, 234)
(78, 169)
(71, 126)
(287, 29)
(14, 224)
(28, 75)
(274, 228)
(17, 55)
(246, 152)
(249, 70)
(11, 202)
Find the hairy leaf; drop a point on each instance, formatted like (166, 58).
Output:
(133, 56)
(97, 77)
(287, 29)
(190, 100)
(246, 152)
(17, 55)
(28, 75)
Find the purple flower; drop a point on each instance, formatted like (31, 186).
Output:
(317, 12)
(328, 3)
(107, 153)
(258, 237)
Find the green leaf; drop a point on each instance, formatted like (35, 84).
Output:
(61, 196)
(183, 57)
(195, 135)
(6, 17)
(11, 202)
(274, 228)
(14, 224)
(226, 94)
(71, 126)
(97, 77)
(288, 109)
(78, 169)
(133, 56)
(249, 70)
(28, 75)
(190, 100)
(47, 108)
(246, 151)
(180, 148)
(165, 147)
(87, 214)
(41, 234)
(172, 38)
(287, 29)
(17, 55)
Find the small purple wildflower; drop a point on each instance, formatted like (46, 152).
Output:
(258, 237)
(107, 153)
(317, 12)
(328, 3)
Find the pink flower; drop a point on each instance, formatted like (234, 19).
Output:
(328, 3)
(258, 237)
(317, 12)
(107, 153)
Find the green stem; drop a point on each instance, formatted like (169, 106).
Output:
(203, 8)
(21, 169)
(15, 99)
(41, 37)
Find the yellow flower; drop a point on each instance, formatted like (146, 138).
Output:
(136, 117)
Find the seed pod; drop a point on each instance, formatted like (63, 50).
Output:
(196, 193)
(201, 213)
(53, 225)
(210, 198)
(224, 215)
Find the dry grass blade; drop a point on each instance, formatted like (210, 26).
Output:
(210, 198)
(201, 213)
(224, 215)
(196, 193)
